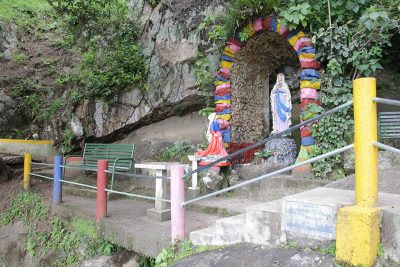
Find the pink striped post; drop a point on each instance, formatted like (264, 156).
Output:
(102, 181)
(177, 198)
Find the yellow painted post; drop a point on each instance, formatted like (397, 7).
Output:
(358, 226)
(365, 133)
(27, 171)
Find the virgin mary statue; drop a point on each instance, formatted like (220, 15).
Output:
(281, 105)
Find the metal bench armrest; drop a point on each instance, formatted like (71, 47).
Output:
(114, 165)
(65, 162)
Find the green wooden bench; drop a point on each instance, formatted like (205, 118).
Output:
(389, 124)
(120, 157)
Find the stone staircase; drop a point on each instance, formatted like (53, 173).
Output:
(260, 224)
(307, 218)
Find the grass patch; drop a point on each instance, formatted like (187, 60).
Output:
(179, 251)
(72, 242)
(10, 9)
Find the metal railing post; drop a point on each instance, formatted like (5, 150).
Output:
(177, 199)
(27, 171)
(102, 181)
(57, 185)
(358, 226)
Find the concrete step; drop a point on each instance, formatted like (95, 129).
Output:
(205, 237)
(390, 235)
(277, 187)
(223, 206)
(231, 230)
(263, 223)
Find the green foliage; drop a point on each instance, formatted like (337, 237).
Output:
(330, 250)
(58, 235)
(213, 29)
(153, 3)
(26, 207)
(205, 112)
(240, 12)
(293, 245)
(104, 75)
(202, 71)
(244, 35)
(178, 251)
(31, 98)
(263, 154)
(381, 250)
(106, 35)
(10, 9)
(297, 15)
(350, 40)
(178, 152)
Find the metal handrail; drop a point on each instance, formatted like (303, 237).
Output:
(42, 164)
(137, 196)
(262, 142)
(139, 175)
(386, 147)
(79, 184)
(41, 176)
(323, 156)
(79, 168)
(386, 101)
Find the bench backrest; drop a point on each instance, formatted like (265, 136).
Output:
(93, 152)
(389, 124)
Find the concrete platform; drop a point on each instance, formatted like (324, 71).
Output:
(127, 224)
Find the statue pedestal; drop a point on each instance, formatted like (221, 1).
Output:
(283, 150)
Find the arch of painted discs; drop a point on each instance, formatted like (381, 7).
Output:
(309, 85)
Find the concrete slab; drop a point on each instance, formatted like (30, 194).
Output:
(231, 230)
(263, 223)
(127, 224)
(312, 214)
(309, 218)
(390, 234)
(205, 237)
(225, 206)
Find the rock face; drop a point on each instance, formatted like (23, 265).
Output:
(9, 118)
(8, 40)
(170, 41)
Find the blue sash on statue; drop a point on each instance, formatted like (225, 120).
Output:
(281, 109)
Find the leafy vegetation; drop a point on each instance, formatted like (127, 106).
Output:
(178, 152)
(350, 41)
(330, 250)
(106, 35)
(30, 96)
(101, 33)
(179, 251)
(72, 242)
(10, 9)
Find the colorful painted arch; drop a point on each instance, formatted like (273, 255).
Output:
(309, 85)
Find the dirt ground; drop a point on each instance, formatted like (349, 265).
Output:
(13, 187)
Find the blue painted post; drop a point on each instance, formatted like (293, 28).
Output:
(57, 189)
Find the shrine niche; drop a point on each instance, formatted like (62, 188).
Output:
(253, 77)
(244, 82)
